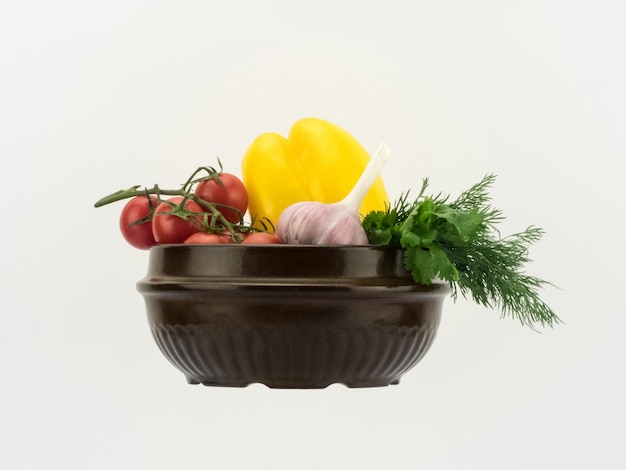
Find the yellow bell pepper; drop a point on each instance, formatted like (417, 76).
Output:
(318, 161)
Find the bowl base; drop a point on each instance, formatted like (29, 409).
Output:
(296, 385)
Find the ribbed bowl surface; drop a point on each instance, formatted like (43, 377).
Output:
(289, 316)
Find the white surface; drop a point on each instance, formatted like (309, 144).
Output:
(96, 96)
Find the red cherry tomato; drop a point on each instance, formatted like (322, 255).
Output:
(233, 193)
(169, 228)
(203, 238)
(139, 235)
(261, 238)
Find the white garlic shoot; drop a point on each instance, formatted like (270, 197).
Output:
(316, 223)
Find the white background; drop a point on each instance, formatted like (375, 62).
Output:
(97, 96)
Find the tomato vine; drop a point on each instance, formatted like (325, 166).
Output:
(210, 218)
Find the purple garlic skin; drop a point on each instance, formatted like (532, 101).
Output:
(314, 223)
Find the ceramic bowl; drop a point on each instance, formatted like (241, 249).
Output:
(289, 316)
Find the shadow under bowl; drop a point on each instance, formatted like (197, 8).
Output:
(289, 316)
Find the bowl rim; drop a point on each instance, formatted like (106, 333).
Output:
(339, 267)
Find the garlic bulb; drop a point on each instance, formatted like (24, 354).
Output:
(316, 223)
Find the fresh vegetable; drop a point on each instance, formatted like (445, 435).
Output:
(171, 224)
(175, 219)
(316, 223)
(228, 193)
(136, 221)
(261, 238)
(318, 161)
(204, 238)
(458, 241)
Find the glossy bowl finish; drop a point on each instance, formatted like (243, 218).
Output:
(289, 316)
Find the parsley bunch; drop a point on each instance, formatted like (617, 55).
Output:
(458, 241)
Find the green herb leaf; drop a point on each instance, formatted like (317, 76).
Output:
(458, 242)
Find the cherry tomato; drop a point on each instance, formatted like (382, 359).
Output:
(169, 228)
(140, 235)
(203, 238)
(261, 238)
(233, 193)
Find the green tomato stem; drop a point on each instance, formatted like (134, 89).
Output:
(134, 191)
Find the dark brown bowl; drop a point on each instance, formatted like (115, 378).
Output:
(289, 316)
